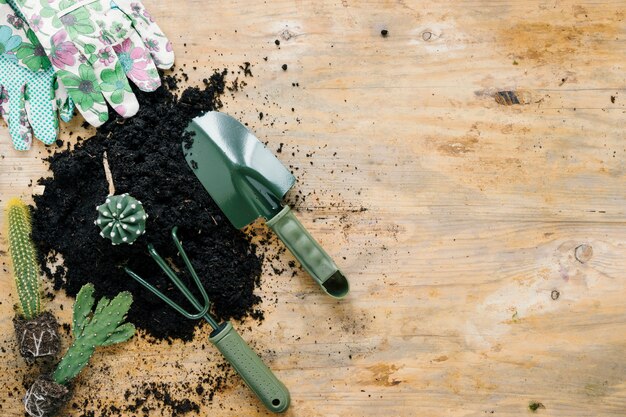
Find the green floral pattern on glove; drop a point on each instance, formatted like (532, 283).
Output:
(96, 46)
(32, 55)
(30, 95)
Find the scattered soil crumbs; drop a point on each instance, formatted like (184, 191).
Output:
(534, 406)
(173, 399)
(146, 160)
(161, 393)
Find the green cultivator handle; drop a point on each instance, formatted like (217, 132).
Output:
(309, 253)
(254, 372)
(256, 375)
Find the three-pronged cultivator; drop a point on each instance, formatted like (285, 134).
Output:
(257, 376)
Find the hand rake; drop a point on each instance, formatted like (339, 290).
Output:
(257, 376)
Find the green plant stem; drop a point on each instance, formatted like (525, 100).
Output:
(102, 326)
(75, 359)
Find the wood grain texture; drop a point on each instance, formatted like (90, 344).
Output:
(475, 206)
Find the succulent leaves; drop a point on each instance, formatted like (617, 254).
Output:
(23, 258)
(122, 219)
(100, 327)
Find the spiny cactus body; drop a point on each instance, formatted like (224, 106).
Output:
(23, 259)
(122, 219)
(37, 333)
(100, 327)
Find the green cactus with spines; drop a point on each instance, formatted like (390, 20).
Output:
(121, 218)
(23, 258)
(101, 327)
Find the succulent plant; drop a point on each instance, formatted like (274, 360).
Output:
(23, 259)
(36, 332)
(91, 328)
(121, 218)
(100, 327)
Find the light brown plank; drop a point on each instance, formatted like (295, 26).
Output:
(474, 208)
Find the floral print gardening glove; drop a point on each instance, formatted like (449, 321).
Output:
(29, 93)
(96, 46)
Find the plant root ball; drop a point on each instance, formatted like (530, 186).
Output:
(38, 337)
(44, 397)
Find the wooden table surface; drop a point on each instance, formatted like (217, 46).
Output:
(485, 141)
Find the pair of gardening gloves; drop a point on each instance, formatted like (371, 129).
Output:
(56, 55)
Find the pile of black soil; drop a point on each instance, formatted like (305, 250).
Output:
(146, 160)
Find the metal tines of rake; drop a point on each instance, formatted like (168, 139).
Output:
(257, 376)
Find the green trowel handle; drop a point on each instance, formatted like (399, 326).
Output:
(257, 376)
(310, 254)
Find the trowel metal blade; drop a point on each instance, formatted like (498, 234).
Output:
(242, 176)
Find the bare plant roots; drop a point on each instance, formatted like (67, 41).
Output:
(38, 337)
(45, 397)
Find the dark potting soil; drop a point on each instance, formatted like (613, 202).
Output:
(45, 397)
(146, 160)
(38, 337)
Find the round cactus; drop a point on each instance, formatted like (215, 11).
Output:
(121, 219)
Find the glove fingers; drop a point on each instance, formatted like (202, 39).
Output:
(19, 126)
(94, 43)
(12, 106)
(40, 107)
(13, 78)
(114, 85)
(152, 36)
(4, 103)
(82, 88)
(73, 70)
(139, 67)
(64, 103)
(66, 109)
(78, 78)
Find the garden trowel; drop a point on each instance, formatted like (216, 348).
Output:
(247, 181)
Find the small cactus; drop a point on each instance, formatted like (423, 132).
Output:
(101, 327)
(121, 219)
(36, 332)
(24, 259)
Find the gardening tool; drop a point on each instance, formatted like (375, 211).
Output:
(247, 181)
(257, 376)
